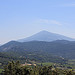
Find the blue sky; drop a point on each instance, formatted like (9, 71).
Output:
(22, 18)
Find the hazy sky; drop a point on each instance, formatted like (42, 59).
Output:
(22, 18)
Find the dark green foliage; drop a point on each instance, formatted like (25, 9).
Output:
(37, 57)
(37, 51)
(62, 48)
(15, 68)
(5, 58)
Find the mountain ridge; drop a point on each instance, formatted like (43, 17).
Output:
(45, 36)
(59, 47)
(42, 49)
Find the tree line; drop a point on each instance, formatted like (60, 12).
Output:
(15, 68)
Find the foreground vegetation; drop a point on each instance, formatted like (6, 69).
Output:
(59, 66)
(15, 68)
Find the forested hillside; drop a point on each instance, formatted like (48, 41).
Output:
(61, 48)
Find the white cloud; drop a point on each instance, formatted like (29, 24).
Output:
(49, 22)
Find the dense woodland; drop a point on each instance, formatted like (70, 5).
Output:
(59, 48)
(15, 68)
(37, 57)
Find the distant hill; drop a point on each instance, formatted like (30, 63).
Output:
(45, 36)
(40, 49)
(35, 51)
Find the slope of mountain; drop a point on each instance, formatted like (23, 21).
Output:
(59, 48)
(45, 36)
(30, 50)
(9, 45)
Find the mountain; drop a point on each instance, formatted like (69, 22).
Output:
(42, 47)
(45, 36)
(39, 51)
(34, 49)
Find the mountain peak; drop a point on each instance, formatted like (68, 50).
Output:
(45, 36)
(44, 31)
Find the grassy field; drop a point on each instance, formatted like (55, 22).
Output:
(46, 63)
